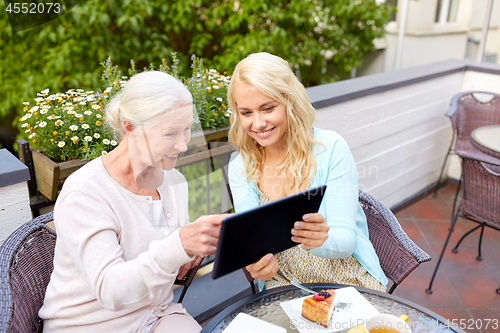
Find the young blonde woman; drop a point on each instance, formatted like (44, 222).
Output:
(280, 153)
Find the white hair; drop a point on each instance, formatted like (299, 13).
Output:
(145, 96)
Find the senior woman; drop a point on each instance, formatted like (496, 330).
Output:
(122, 221)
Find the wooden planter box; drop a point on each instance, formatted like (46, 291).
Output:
(51, 175)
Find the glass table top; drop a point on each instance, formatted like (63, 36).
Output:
(267, 307)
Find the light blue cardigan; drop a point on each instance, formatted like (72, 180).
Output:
(336, 168)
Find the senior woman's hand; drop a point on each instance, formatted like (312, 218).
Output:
(200, 237)
(312, 232)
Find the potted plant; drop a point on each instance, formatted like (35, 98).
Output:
(66, 130)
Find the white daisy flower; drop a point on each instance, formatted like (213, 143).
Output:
(59, 123)
(46, 91)
(108, 89)
(42, 124)
(80, 90)
(96, 107)
(87, 113)
(43, 111)
(51, 117)
(97, 135)
(61, 144)
(103, 153)
(24, 125)
(85, 126)
(87, 138)
(73, 127)
(68, 104)
(26, 103)
(105, 141)
(79, 115)
(216, 87)
(114, 143)
(82, 103)
(71, 112)
(33, 109)
(32, 135)
(219, 99)
(74, 139)
(38, 99)
(98, 115)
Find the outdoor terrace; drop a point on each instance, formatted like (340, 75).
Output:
(396, 127)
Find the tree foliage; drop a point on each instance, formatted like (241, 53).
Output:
(65, 53)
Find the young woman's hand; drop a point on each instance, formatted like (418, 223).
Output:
(265, 268)
(187, 266)
(312, 232)
(200, 237)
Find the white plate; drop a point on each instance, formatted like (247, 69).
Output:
(342, 319)
(244, 323)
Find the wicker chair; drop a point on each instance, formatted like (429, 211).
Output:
(466, 114)
(480, 200)
(397, 253)
(26, 259)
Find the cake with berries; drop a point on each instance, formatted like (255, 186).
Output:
(319, 307)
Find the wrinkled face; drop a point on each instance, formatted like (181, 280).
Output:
(263, 118)
(160, 140)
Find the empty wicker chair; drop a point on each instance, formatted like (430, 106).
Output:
(397, 253)
(480, 200)
(26, 259)
(468, 113)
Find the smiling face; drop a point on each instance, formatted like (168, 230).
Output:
(159, 142)
(261, 117)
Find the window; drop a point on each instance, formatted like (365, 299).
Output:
(395, 4)
(447, 11)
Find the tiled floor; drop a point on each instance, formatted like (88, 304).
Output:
(464, 288)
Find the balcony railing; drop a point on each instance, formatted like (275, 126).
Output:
(394, 123)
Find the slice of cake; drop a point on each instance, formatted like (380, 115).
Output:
(319, 307)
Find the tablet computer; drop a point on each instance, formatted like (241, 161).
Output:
(246, 237)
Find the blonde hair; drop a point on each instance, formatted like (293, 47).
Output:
(145, 96)
(273, 77)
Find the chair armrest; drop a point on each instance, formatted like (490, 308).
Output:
(470, 156)
(402, 238)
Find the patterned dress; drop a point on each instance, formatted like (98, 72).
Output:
(304, 267)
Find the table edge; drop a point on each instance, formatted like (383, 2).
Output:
(479, 146)
(221, 315)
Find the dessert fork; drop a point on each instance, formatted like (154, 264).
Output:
(337, 304)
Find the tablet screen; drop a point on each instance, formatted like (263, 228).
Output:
(246, 237)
